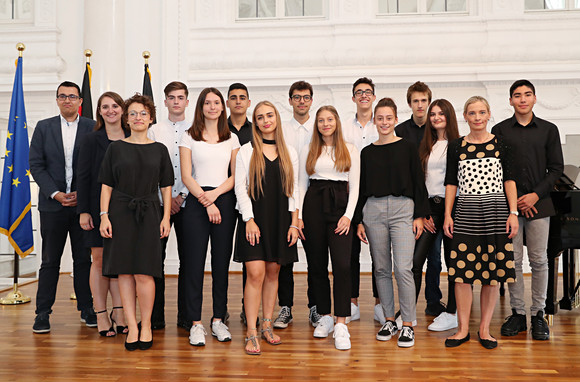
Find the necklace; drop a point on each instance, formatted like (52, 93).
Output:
(471, 140)
(269, 141)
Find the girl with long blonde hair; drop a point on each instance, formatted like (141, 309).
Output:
(329, 182)
(266, 189)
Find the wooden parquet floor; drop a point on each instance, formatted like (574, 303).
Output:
(73, 352)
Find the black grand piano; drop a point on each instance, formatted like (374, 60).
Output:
(563, 239)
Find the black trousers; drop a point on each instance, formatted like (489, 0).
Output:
(199, 232)
(158, 315)
(54, 228)
(319, 224)
(424, 245)
(355, 267)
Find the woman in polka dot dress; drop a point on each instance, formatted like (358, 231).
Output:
(483, 222)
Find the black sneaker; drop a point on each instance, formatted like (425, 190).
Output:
(406, 337)
(388, 330)
(540, 330)
(284, 318)
(89, 317)
(514, 324)
(313, 316)
(435, 309)
(41, 323)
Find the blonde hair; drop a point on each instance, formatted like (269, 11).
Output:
(341, 155)
(257, 163)
(473, 100)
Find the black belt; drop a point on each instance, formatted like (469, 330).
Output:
(334, 194)
(437, 199)
(138, 204)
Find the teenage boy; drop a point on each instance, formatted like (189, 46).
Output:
(54, 150)
(418, 98)
(238, 102)
(169, 133)
(297, 133)
(538, 163)
(361, 132)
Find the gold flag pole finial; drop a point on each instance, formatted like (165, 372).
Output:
(146, 56)
(20, 46)
(88, 54)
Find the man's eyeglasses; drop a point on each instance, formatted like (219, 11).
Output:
(367, 92)
(72, 97)
(297, 98)
(134, 114)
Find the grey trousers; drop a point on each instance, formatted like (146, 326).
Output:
(537, 243)
(388, 223)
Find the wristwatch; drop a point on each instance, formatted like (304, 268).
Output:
(514, 213)
(183, 195)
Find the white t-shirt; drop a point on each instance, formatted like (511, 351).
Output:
(324, 170)
(436, 167)
(210, 161)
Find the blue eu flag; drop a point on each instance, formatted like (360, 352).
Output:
(15, 214)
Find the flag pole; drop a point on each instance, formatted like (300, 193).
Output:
(16, 297)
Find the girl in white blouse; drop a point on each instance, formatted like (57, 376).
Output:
(266, 189)
(207, 152)
(329, 184)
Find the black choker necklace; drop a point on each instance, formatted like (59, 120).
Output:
(269, 141)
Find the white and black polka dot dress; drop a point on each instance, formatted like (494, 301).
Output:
(481, 251)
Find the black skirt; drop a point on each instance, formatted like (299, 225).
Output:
(273, 219)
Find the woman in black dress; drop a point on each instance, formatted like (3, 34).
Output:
(110, 127)
(483, 222)
(132, 171)
(266, 189)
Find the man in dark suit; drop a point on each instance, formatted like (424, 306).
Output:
(53, 159)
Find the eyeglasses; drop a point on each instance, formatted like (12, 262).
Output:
(297, 98)
(367, 92)
(72, 97)
(134, 114)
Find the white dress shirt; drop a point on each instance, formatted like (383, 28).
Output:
(297, 135)
(324, 170)
(69, 134)
(169, 133)
(244, 203)
(357, 134)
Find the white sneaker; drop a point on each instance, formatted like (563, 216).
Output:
(399, 322)
(444, 321)
(324, 328)
(220, 331)
(379, 314)
(354, 313)
(341, 337)
(197, 335)
(406, 337)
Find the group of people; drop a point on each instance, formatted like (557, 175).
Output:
(117, 186)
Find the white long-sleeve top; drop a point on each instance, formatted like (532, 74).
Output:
(242, 183)
(324, 170)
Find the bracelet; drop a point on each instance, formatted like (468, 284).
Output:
(293, 226)
(104, 213)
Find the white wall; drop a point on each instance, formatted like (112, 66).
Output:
(200, 42)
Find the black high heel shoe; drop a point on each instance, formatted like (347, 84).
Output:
(120, 329)
(144, 345)
(133, 345)
(105, 333)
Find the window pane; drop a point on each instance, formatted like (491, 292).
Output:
(247, 9)
(435, 5)
(397, 6)
(266, 8)
(577, 4)
(294, 8)
(407, 6)
(456, 5)
(446, 5)
(545, 4)
(313, 8)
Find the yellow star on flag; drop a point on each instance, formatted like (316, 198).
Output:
(9, 135)
(7, 152)
(15, 182)
(10, 168)
(27, 173)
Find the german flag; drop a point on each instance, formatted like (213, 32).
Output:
(86, 108)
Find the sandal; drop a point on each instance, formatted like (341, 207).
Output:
(107, 332)
(256, 347)
(120, 329)
(268, 330)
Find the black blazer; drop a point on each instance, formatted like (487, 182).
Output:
(91, 154)
(46, 159)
